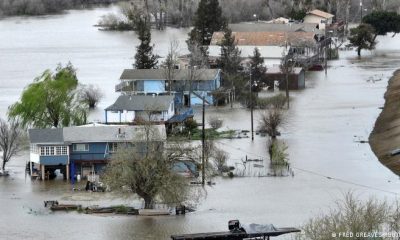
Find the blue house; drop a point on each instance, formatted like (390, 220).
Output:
(85, 150)
(189, 86)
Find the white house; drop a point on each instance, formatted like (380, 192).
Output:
(319, 17)
(129, 108)
(272, 45)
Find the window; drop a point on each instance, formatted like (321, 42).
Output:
(47, 151)
(80, 147)
(64, 150)
(42, 151)
(112, 147)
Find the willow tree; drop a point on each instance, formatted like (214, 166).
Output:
(51, 101)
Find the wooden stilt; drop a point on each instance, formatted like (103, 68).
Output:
(67, 171)
(42, 170)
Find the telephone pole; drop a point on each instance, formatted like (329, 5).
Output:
(203, 138)
(251, 105)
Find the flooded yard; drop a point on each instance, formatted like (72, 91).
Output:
(323, 128)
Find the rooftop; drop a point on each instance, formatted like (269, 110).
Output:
(159, 74)
(277, 70)
(320, 13)
(268, 38)
(274, 27)
(141, 103)
(98, 133)
(46, 136)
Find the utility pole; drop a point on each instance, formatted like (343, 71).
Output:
(326, 49)
(203, 138)
(287, 79)
(251, 105)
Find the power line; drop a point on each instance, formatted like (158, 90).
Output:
(319, 174)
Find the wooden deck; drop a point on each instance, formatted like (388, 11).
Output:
(234, 235)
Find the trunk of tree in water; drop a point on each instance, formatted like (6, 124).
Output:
(55, 123)
(148, 202)
(359, 51)
(165, 12)
(4, 165)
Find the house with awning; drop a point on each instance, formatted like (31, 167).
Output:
(86, 150)
(137, 108)
(188, 85)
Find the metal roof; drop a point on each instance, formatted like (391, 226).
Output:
(320, 13)
(90, 133)
(159, 74)
(141, 103)
(274, 27)
(113, 133)
(268, 38)
(46, 136)
(277, 70)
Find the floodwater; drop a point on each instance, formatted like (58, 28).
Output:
(322, 128)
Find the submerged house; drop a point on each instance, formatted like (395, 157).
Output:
(274, 77)
(273, 46)
(85, 150)
(136, 108)
(189, 86)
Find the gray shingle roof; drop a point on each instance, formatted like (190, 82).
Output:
(159, 74)
(89, 133)
(46, 136)
(274, 27)
(112, 133)
(141, 102)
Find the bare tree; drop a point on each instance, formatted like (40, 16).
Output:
(220, 157)
(91, 95)
(271, 119)
(11, 140)
(352, 215)
(169, 65)
(215, 122)
(145, 169)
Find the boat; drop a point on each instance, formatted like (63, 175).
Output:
(65, 207)
(154, 212)
(237, 231)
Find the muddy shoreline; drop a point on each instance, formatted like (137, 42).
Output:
(385, 137)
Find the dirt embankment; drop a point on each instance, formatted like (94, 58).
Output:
(385, 137)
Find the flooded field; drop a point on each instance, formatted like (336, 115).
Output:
(323, 128)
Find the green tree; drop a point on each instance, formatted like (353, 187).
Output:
(383, 22)
(362, 37)
(257, 66)
(51, 101)
(297, 14)
(208, 19)
(229, 61)
(144, 57)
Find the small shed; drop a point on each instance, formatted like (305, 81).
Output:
(296, 78)
(319, 17)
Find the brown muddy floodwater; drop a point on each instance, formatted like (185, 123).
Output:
(323, 127)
